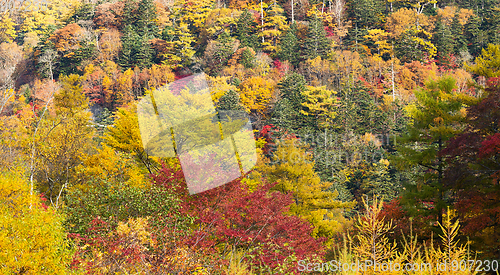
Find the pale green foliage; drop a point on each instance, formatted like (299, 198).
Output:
(237, 264)
(293, 169)
(372, 241)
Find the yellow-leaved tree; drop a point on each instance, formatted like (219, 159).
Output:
(274, 25)
(380, 39)
(218, 20)
(110, 165)
(320, 104)
(180, 41)
(256, 94)
(124, 136)
(372, 242)
(57, 138)
(32, 239)
(7, 28)
(219, 86)
(37, 17)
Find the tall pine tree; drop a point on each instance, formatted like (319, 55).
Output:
(316, 44)
(475, 35)
(144, 53)
(287, 110)
(146, 16)
(223, 50)
(443, 41)
(140, 27)
(492, 23)
(289, 48)
(437, 116)
(366, 13)
(130, 41)
(246, 31)
(459, 44)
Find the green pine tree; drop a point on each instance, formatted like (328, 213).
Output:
(316, 43)
(289, 48)
(414, 44)
(474, 35)
(230, 101)
(459, 44)
(246, 31)
(437, 117)
(358, 112)
(130, 41)
(380, 182)
(292, 88)
(248, 58)
(167, 33)
(443, 41)
(366, 13)
(130, 15)
(492, 23)
(224, 49)
(144, 53)
(145, 25)
(283, 115)
(355, 38)
(287, 111)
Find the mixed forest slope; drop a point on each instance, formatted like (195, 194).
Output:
(369, 116)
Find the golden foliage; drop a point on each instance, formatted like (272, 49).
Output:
(219, 19)
(321, 104)
(7, 27)
(124, 88)
(160, 75)
(256, 94)
(347, 65)
(124, 134)
(372, 242)
(403, 19)
(110, 165)
(219, 86)
(109, 43)
(448, 13)
(379, 38)
(319, 71)
(32, 239)
(274, 25)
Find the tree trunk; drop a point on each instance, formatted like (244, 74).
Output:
(262, 19)
(440, 183)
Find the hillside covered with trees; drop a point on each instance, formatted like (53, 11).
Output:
(376, 125)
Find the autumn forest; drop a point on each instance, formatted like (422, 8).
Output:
(376, 126)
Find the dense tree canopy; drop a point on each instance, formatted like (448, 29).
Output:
(338, 130)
